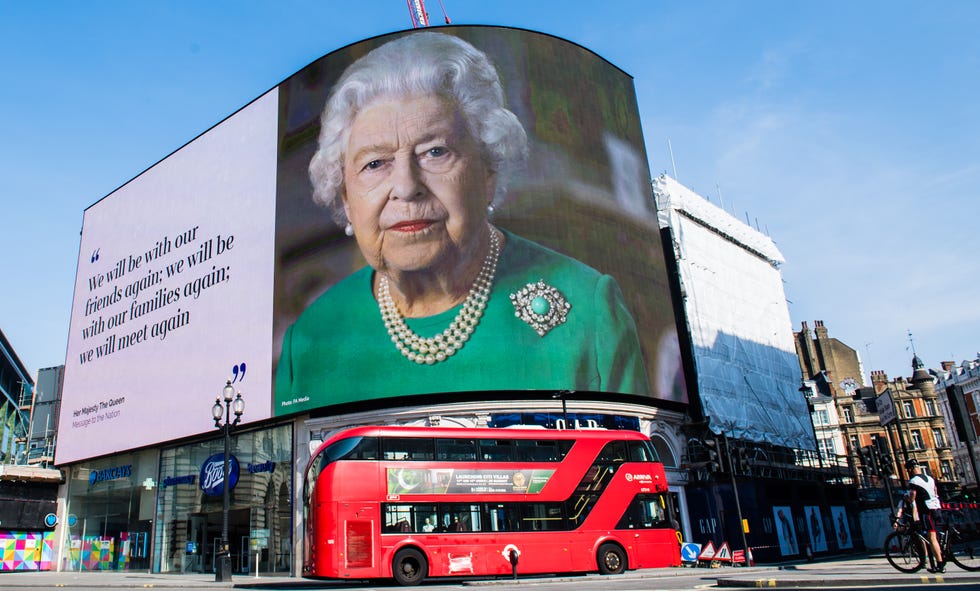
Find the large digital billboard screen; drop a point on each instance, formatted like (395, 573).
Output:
(173, 293)
(460, 209)
(467, 209)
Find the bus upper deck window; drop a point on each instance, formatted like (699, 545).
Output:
(408, 448)
(456, 450)
(614, 451)
(642, 451)
(354, 448)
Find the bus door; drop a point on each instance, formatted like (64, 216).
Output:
(649, 529)
(358, 522)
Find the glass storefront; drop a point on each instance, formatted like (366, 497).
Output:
(110, 513)
(189, 504)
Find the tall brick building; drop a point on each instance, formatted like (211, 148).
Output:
(920, 429)
(917, 431)
(819, 353)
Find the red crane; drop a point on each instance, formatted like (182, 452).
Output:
(420, 18)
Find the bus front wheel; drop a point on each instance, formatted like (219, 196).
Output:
(409, 567)
(611, 559)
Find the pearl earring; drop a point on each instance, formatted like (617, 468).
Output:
(491, 209)
(349, 229)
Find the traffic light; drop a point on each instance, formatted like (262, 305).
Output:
(882, 457)
(711, 446)
(868, 459)
(885, 464)
(742, 460)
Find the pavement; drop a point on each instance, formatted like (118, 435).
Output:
(824, 572)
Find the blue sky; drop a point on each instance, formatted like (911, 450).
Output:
(848, 131)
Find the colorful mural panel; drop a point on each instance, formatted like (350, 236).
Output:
(26, 550)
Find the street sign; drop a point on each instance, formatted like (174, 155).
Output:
(708, 552)
(738, 557)
(690, 552)
(886, 408)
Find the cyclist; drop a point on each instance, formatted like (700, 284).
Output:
(926, 504)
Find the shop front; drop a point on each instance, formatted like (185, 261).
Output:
(190, 504)
(110, 513)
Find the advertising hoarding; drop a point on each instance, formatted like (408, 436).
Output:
(581, 189)
(217, 263)
(173, 293)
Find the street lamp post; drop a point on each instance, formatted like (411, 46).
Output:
(232, 403)
(561, 394)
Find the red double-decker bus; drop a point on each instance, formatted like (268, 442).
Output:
(412, 503)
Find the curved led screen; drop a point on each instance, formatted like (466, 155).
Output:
(466, 209)
(460, 209)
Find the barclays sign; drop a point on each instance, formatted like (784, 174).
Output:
(96, 476)
(212, 477)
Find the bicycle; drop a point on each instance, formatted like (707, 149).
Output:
(905, 548)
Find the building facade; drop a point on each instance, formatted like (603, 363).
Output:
(214, 288)
(44, 410)
(881, 424)
(16, 391)
(958, 392)
(918, 429)
(28, 493)
(752, 454)
(833, 378)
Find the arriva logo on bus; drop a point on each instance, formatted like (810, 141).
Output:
(630, 477)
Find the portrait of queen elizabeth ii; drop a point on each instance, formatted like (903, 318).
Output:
(414, 145)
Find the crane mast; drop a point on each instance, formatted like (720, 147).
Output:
(419, 16)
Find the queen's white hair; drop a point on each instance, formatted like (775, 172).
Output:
(418, 64)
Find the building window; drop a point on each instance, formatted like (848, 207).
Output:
(940, 438)
(931, 408)
(827, 448)
(855, 444)
(820, 417)
(909, 410)
(946, 467)
(917, 440)
(848, 414)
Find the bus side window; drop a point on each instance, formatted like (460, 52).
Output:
(497, 450)
(644, 512)
(497, 518)
(408, 448)
(397, 518)
(455, 450)
(614, 451)
(529, 450)
(366, 449)
(642, 451)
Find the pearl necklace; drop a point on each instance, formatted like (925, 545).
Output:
(444, 345)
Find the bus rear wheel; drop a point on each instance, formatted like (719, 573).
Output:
(611, 559)
(409, 567)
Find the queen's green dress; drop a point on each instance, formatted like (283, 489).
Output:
(339, 351)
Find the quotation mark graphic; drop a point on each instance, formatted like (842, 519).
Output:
(95, 255)
(239, 372)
